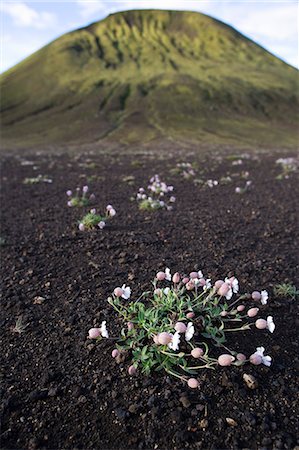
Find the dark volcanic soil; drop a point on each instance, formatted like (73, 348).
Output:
(60, 390)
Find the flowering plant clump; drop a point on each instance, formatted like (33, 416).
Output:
(92, 219)
(159, 196)
(80, 198)
(185, 169)
(288, 166)
(181, 325)
(38, 179)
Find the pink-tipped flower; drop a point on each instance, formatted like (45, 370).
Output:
(185, 280)
(93, 211)
(115, 353)
(132, 370)
(160, 276)
(85, 189)
(261, 324)
(240, 308)
(241, 357)
(108, 207)
(164, 338)
(190, 285)
(223, 313)
(130, 326)
(225, 360)
(118, 292)
(193, 383)
(180, 327)
(111, 212)
(156, 339)
(252, 312)
(190, 315)
(223, 290)
(94, 333)
(197, 352)
(81, 227)
(255, 359)
(70, 203)
(158, 292)
(101, 225)
(193, 275)
(69, 193)
(176, 278)
(256, 296)
(218, 284)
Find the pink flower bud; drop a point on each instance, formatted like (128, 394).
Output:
(193, 275)
(225, 360)
(190, 315)
(164, 338)
(223, 313)
(240, 308)
(156, 339)
(85, 189)
(185, 280)
(255, 359)
(176, 277)
(69, 193)
(130, 326)
(218, 284)
(69, 203)
(93, 333)
(223, 290)
(115, 353)
(118, 292)
(158, 292)
(193, 383)
(241, 357)
(132, 370)
(256, 295)
(197, 352)
(252, 312)
(190, 285)
(93, 211)
(160, 276)
(81, 227)
(180, 327)
(261, 324)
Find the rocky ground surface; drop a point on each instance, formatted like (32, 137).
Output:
(63, 391)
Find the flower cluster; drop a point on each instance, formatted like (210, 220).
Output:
(185, 169)
(159, 195)
(184, 318)
(80, 198)
(288, 166)
(92, 219)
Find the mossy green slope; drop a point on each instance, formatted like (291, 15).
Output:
(142, 75)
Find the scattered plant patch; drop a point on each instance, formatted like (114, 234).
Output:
(80, 198)
(159, 196)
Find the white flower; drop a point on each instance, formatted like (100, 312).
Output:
(101, 224)
(166, 290)
(167, 274)
(189, 332)
(127, 292)
(264, 297)
(266, 360)
(104, 331)
(208, 284)
(111, 212)
(270, 324)
(200, 274)
(175, 340)
(233, 283)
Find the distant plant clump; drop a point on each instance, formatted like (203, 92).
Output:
(38, 179)
(92, 219)
(286, 290)
(185, 169)
(288, 165)
(159, 195)
(175, 326)
(80, 198)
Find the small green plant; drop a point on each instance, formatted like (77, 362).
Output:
(183, 327)
(2, 241)
(288, 166)
(286, 290)
(80, 198)
(129, 179)
(159, 196)
(38, 179)
(20, 326)
(92, 219)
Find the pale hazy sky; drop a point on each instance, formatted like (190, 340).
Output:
(28, 25)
